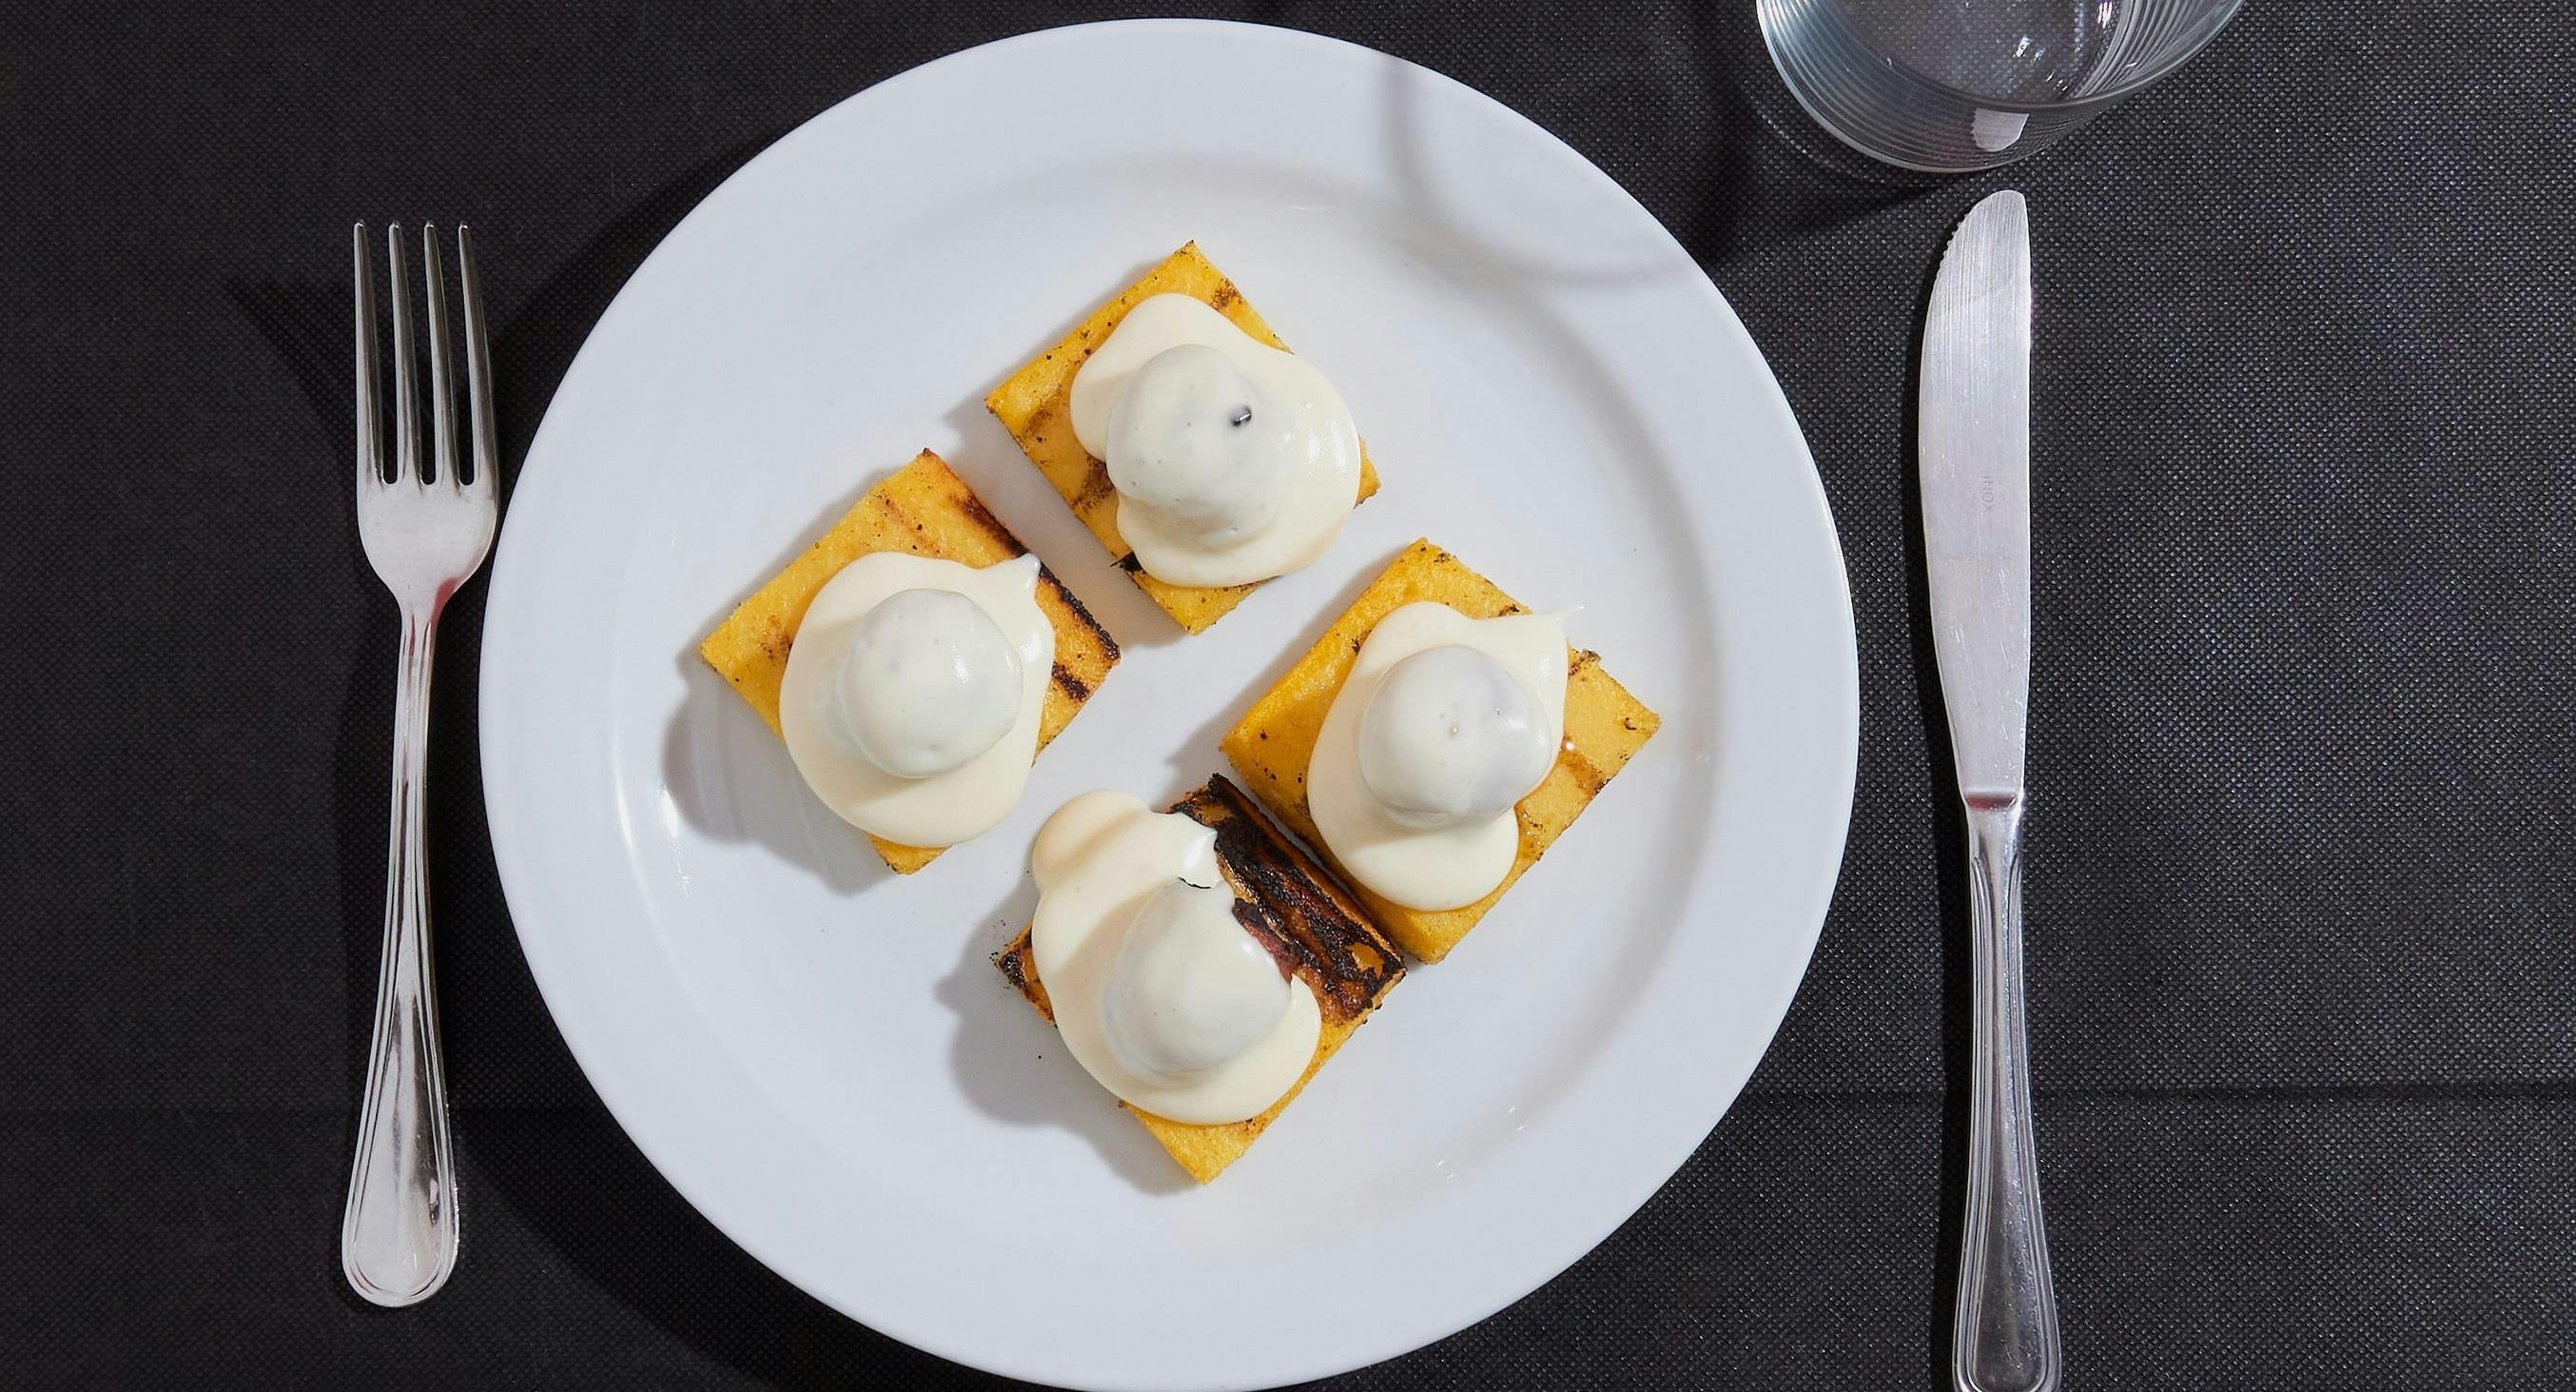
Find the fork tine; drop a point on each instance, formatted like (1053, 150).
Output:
(478, 367)
(371, 460)
(406, 397)
(442, 399)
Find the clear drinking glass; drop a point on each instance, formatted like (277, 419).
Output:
(1953, 86)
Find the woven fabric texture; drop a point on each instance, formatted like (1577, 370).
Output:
(2301, 896)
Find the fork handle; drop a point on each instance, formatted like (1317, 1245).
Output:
(2006, 1340)
(398, 1236)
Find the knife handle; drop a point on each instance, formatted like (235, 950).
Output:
(2006, 1340)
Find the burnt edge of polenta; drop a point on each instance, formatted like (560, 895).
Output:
(1297, 912)
(1272, 742)
(983, 517)
(1018, 965)
(1304, 920)
(1074, 686)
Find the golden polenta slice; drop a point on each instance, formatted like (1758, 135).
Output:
(1302, 917)
(926, 510)
(1270, 746)
(1036, 406)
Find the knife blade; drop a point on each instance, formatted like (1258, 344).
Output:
(1975, 439)
(1975, 451)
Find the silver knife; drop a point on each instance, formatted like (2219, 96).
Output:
(1975, 412)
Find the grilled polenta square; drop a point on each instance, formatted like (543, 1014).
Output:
(1270, 746)
(925, 510)
(1036, 406)
(1302, 917)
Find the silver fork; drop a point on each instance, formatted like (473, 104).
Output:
(426, 534)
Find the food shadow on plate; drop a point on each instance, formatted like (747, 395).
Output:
(730, 777)
(1199, 753)
(731, 781)
(1011, 1065)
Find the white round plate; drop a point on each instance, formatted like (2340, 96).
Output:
(819, 1054)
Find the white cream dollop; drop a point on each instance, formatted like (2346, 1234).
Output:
(1234, 461)
(1199, 447)
(893, 686)
(1451, 737)
(927, 683)
(1190, 988)
(1182, 1026)
(1423, 756)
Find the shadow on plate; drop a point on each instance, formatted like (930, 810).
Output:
(1011, 1065)
(1198, 753)
(730, 779)
(728, 774)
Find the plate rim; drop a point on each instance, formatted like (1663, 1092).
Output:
(509, 846)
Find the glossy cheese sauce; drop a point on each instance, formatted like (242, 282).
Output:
(913, 693)
(1233, 461)
(1159, 992)
(1444, 723)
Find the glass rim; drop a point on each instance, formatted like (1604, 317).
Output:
(2185, 48)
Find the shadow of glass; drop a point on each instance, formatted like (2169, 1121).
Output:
(1440, 229)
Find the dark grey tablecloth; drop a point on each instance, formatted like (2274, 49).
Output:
(2302, 900)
